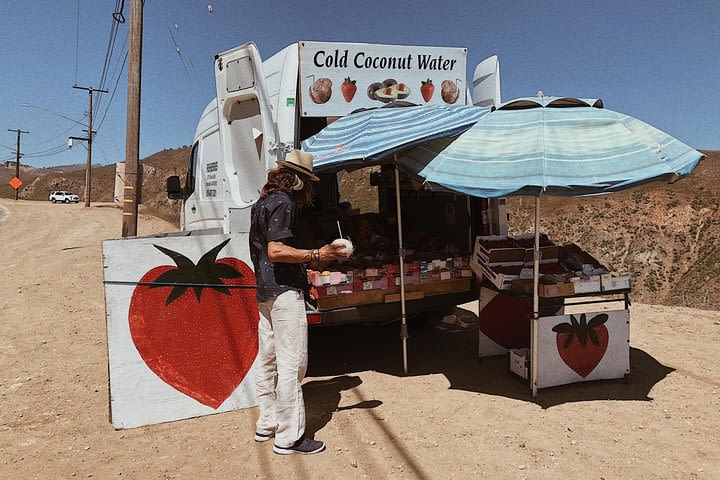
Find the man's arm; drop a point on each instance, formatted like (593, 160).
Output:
(281, 253)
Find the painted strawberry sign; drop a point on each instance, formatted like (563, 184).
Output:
(582, 344)
(195, 324)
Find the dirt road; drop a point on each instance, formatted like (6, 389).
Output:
(453, 417)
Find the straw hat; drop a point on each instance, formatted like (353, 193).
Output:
(300, 162)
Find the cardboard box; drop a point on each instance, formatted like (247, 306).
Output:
(608, 282)
(410, 279)
(330, 290)
(564, 289)
(430, 277)
(507, 256)
(586, 284)
(552, 290)
(520, 362)
(503, 281)
(379, 283)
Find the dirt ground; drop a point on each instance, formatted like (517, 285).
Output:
(453, 417)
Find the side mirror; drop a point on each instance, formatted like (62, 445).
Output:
(174, 190)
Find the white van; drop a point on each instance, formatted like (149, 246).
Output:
(263, 109)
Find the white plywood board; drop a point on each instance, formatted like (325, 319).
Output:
(183, 359)
(559, 364)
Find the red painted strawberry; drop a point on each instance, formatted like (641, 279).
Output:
(573, 346)
(200, 340)
(427, 89)
(348, 89)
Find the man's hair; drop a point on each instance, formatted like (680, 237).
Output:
(295, 185)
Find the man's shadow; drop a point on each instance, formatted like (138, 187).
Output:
(322, 399)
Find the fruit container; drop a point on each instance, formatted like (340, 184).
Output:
(331, 290)
(493, 250)
(412, 278)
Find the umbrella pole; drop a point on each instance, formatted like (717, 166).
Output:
(401, 254)
(536, 301)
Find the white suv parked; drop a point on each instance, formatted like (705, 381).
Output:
(66, 197)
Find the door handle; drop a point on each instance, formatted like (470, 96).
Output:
(193, 208)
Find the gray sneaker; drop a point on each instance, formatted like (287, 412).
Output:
(263, 437)
(304, 446)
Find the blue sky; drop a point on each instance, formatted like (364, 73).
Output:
(658, 61)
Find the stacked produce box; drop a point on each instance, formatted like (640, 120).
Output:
(507, 262)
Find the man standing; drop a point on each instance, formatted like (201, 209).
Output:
(281, 288)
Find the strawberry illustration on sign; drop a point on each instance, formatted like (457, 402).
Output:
(194, 328)
(427, 89)
(348, 89)
(573, 346)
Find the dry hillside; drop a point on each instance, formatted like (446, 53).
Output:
(666, 236)
(156, 168)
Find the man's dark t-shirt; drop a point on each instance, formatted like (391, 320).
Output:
(275, 218)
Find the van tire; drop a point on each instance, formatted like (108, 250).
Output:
(67, 200)
(53, 200)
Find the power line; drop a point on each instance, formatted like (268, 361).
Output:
(113, 93)
(61, 134)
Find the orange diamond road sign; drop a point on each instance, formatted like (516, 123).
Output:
(15, 183)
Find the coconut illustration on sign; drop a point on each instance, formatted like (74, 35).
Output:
(449, 91)
(321, 90)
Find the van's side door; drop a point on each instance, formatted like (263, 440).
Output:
(247, 131)
(204, 190)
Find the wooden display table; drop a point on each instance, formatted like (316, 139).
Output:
(389, 295)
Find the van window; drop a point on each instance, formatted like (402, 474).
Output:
(190, 179)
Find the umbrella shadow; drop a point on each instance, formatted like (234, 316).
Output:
(322, 399)
(452, 352)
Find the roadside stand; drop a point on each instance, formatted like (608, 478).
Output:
(551, 146)
(528, 146)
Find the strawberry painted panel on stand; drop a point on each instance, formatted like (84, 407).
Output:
(182, 327)
(583, 347)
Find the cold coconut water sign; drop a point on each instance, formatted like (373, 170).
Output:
(337, 79)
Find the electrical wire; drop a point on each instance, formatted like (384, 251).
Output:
(117, 18)
(61, 134)
(117, 81)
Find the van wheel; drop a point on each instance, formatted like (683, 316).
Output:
(67, 200)
(53, 200)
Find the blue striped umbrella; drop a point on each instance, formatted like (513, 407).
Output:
(559, 146)
(375, 134)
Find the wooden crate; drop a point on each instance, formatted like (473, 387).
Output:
(378, 296)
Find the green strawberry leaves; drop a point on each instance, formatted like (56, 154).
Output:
(581, 329)
(207, 272)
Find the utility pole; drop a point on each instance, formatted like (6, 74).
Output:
(89, 138)
(132, 135)
(17, 158)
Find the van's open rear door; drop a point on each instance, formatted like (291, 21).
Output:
(247, 131)
(486, 83)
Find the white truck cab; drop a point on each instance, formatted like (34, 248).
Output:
(256, 117)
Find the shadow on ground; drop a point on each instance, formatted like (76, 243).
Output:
(322, 399)
(343, 350)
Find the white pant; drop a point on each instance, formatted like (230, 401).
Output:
(282, 363)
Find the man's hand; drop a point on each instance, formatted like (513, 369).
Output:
(279, 252)
(333, 252)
